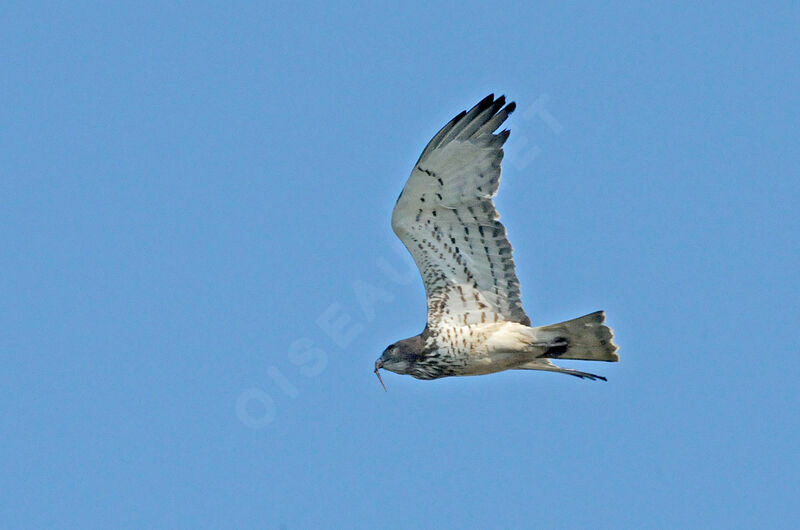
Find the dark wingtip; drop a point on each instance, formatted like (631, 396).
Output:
(511, 107)
(483, 104)
(458, 117)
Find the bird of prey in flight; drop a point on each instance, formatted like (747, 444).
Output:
(446, 219)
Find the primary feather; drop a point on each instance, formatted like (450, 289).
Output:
(446, 218)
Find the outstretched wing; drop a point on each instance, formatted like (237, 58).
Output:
(446, 218)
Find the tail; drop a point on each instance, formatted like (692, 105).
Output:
(585, 338)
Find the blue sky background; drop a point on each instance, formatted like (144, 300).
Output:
(193, 195)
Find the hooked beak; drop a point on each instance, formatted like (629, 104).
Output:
(378, 364)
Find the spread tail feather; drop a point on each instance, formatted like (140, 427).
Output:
(585, 338)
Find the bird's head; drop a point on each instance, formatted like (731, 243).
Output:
(399, 358)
